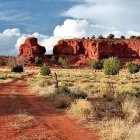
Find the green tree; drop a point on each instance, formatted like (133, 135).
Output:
(2, 62)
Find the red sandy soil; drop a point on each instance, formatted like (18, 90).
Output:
(47, 123)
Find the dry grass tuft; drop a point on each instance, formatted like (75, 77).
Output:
(62, 101)
(130, 107)
(81, 108)
(25, 117)
(117, 129)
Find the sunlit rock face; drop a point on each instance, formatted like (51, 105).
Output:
(31, 49)
(85, 49)
(80, 51)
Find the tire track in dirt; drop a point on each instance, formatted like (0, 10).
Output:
(47, 123)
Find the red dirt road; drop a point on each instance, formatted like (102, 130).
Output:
(26, 117)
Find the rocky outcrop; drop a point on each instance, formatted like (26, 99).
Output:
(79, 51)
(31, 49)
(98, 48)
(119, 48)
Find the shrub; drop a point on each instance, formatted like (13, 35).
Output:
(129, 89)
(130, 107)
(111, 36)
(62, 101)
(78, 94)
(2, 62)
(122, 37)
(96, 64)
(100, 37)
(111, 66)
(133, 37)
(41, 82)
(18, 68)
(65, 89)
(63, 62)
(133, 68)
(38, 60)
(138, 37)
(45, 70)
(93, 37)
(81, 108)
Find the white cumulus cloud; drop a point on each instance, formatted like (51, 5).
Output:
(121, 15)
(73, 28)
(11, 39)
(8, 39)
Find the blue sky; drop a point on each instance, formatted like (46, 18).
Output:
(32, 15)
(52, 20)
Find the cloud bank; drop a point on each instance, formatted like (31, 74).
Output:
(11, 39)
(109, 15)
(85, 18)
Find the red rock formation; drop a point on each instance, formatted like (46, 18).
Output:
(97, 49)
(120, 48)
(31, 49)
(79, 51)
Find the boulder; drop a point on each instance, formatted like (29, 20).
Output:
(30, 49)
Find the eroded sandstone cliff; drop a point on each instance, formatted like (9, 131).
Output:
(31, 49)
(98, 49)
(79, 51)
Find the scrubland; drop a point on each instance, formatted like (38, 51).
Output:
(111, 103)
(6, 75)
(108, 103)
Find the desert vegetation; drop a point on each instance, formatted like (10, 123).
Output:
(105, 95)
(6, 75)
(38, 61)
(111, 100)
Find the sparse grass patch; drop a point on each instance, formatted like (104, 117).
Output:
(118, 118)
(117, 129)
(77, 94)
(130, 107)
(128, 88)
(62, 101)
(24, 117)
(81, 108)
(18, 126)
